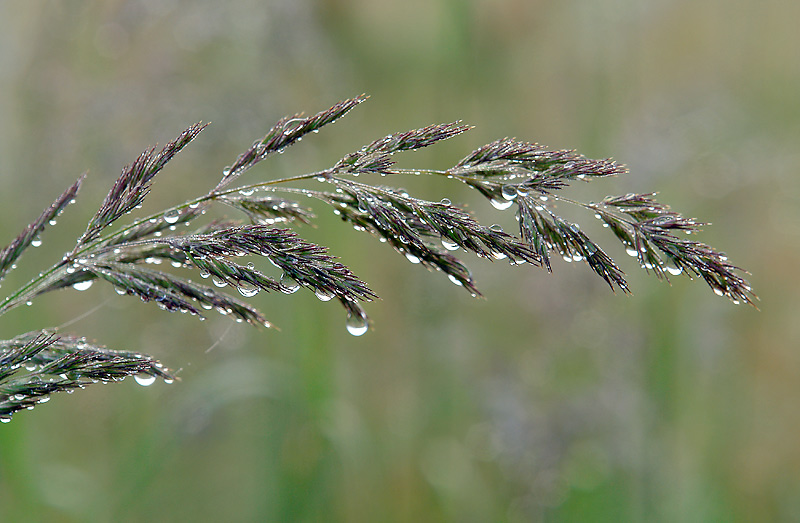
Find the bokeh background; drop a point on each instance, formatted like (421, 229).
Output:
(550, 400)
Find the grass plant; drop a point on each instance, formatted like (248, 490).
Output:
(151, 257)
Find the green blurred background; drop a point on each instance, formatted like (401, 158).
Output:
(550, 400)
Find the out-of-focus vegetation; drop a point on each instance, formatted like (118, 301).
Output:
(551, 399)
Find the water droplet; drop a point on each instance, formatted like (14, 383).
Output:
(194, 205)
(204, 274)
(543, 197)
(44, 399)
(672, 268)
(501, 204)
(323, 295)
(577, 257)
(631, 251)
(83, 285)
(36, 242)
(410, 257)
(496, 227)
(219, 282)
(248, 290)
(52, 222)
(356, 324)
(28, 303)
(719, 292)
(172, 216)
(247, 191)
(169, 381)
(145, 380)
(509, 192)
(5, 419)
(455, 280)
(450, 246)
(446, 201)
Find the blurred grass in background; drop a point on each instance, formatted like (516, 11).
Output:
(550, 400)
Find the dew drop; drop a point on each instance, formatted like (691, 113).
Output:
(509, 192)
(145, 380)
(219, 282)
(28, 303)
(204, 274)
(631, 251)
(248, 290)
(194, 205)
(450, 246)
(247, 191)
(323, 295)
(455, 280)
(356, 324)
(446, 201)
(172, 217)
(501, 204)
(577, 257)
(413, 259)
(36, 242)
(52, 222)
(718, 291)
(5, 419)
(83, 285)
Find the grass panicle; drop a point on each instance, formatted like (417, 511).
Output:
(155, 257)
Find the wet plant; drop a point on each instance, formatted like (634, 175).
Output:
(130, 256)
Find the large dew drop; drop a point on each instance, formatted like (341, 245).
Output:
(357, 324)
(248, 290)
(83, 285)
(509, 192)
(501, 204)
(288, 284)
(145, 380)
(172, 217)
(323, 295)
(413, 259)
(450, 246)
